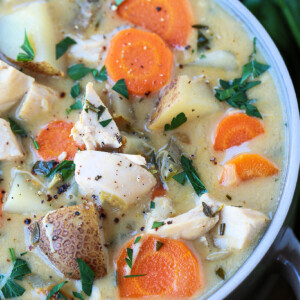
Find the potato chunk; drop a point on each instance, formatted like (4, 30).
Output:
(38, 100)
(120, 177)
(70, 233)
(35, 18)
(89, 131)
(13, 85)
(9, 146)
(192, 97)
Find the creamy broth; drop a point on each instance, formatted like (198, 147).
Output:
(76, 19)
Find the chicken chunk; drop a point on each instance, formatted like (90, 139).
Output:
(241, 225)
(190, 225)
(119, 179)
(9, 146)
(38, 100)
(89, 131)
(13, 86)
(192, 97)
(70, 233)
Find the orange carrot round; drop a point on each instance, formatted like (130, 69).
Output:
(141, 58)
(172, 271)
(170, 19)
(246, 166)
(55, 139)
(236, 129)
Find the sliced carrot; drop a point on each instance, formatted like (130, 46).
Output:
(246, 166)
(172, 271)
(55, 139)
(236, 129)
(141, 58)
(158, 190)
(170, 19)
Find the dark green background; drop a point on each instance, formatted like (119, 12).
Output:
(281, 18)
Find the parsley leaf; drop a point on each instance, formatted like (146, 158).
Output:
(176, 122)
(202, 40)
(76, 106)
(87, 276)
(180, 177)
(20, 269)
(157, 224)
(137, 239)
(207, 210)
(121, 88)
(253, 68)
(221, 273)
(152, 205)
(12, 254)
(55, 289)
(65, 169)
(78, 71)
(129, 259)
(11, 289)
(16, 128)
(35, 144)
(105, 122)
(63, 46)
(192, 175)
(100, 75)
(133, 276)
(158, 245)
(26, 47)
(43, 167)
(75, 90)
(78, 295)
(252, 111)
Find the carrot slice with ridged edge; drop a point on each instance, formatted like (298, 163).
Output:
(247, 166)
(141, 58)
(55, 139)
(235, 129)
(170, 19)
(172, 271)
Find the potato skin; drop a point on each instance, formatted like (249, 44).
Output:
(75, 234)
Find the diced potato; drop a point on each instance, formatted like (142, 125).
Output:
(192, 97)
(35, 18)
(24, 196)
(9, 146)
(37, 101)
(13, 85)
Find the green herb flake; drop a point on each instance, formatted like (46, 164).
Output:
(105, 122)
(152, 205)
(16, 128)
(137, 239)
(202, 40)
(24, 253)
(192, 175)
(253, 68)
(157, 224)
(42, 167)
(76, 106)
(121, 88)
(78, 71)
(26, 47)
(129, 259)
(20, 269)
(62, 46)
(87, 276)
(176, 122)
(77, 295)
(11, 289)
(221, 273)
(222, 228)
(100, 75)
(118, 2)
(207, 210)
(66, 168)
(55, 289)
(180, 177)
(75, 90)
(134, 276)
(158, 245)
(35, 144)
(12, 254)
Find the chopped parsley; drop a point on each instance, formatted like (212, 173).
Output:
(192, 175)
(176, 122)
(55, 290)
(78, 295)
(76, 106)
(42, 167)
(75, 90)
(137, 239)
(105, 122)
(157, 224)
(26, 47)
(158, 245)
(12, 254)
(222, 228)
(87, 276)
(89, 106)
(20, 269)
(35, 144)
(63, 46)
(180, 177)
(207, 210)
(11, 289)
(100, 75)
(78, 71)
(152, 205)
(221, 273)
(16, 128)
(202, 40)
(133, 276)
(65, 169)
(129, 258)
(121, 88)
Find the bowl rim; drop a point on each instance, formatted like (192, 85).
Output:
(292, 135)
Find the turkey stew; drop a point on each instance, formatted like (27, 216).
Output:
(142, 148)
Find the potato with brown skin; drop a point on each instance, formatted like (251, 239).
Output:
(70, 233)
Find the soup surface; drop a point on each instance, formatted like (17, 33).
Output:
(171, 85)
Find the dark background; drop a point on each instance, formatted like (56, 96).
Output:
(281, 18)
